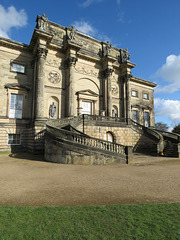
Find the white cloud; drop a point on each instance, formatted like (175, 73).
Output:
(169, 72)
(11, 18)
(87, 28)
(87, 3)
(118, 2)
(168, 108)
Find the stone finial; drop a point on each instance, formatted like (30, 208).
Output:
(42, 22)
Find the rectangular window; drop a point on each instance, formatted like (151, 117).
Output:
(146, 119)
(134, 93)
(87, 108)
(145, 96)
(135, 115)
(16, 104)
(14, 139)
(15, 67)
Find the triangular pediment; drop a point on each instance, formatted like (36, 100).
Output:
(87, 92)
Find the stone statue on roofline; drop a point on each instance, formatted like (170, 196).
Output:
(108, 48)
(71, 34)
(124, 55)
(42, 22)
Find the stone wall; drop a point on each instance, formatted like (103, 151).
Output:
(69, 153)
(122, 135)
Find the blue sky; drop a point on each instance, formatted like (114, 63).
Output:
(149, 29)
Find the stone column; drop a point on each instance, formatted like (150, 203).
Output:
(71, 62)
(109, 92)
(128, 106)
(40, 76)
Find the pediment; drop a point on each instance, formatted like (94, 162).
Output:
(87, 92)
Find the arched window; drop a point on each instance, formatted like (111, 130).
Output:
(108, 136)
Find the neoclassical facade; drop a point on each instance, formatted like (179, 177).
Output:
(65, 73)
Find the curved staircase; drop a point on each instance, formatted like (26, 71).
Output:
(65, 144)
(156, 142)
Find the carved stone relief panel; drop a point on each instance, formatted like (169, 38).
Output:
(88, 72)
(58, 34)
(114, 86)
(53, 62)
(90, 46)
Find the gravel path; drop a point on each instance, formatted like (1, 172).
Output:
(35, 183)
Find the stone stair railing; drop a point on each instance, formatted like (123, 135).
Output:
(170, 135)
(83, 139)
(152, 133)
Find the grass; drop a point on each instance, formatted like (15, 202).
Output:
(127, 222)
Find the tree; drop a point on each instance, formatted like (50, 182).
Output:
(176, 129)
(161, 126)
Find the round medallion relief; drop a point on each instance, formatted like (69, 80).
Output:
(54, 77)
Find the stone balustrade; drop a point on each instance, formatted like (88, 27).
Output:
(86, 140)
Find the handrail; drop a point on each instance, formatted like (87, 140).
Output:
(150, 131)
(174, 136)
(86, 140)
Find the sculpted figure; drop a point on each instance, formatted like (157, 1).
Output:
(41, 22)
(125, 55)
(72, 34)
(52, 110)
(108, 48)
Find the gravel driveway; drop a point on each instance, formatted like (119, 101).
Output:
(27, 182)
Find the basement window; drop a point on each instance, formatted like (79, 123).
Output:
(14, 139)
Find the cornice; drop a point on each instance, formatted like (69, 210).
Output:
(13, 44)
(142, 81)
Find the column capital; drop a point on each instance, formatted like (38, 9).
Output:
(42, 52)
(71, 61)
(108, 72)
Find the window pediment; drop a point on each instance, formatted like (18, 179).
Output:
(87, 92)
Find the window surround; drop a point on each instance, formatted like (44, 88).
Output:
(14, 138)
(16, 106)
(134, 93)
(18, 67)
(137, 115)
(145, 96)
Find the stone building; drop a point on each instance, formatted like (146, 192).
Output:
(63, 74)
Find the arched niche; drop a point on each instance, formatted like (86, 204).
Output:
(114, 111)
(53, 107)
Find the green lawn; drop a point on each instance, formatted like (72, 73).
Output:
(127, 222)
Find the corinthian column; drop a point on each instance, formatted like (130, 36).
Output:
(71, 62)
(108, 94)
(40, 76)
(128, 107)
